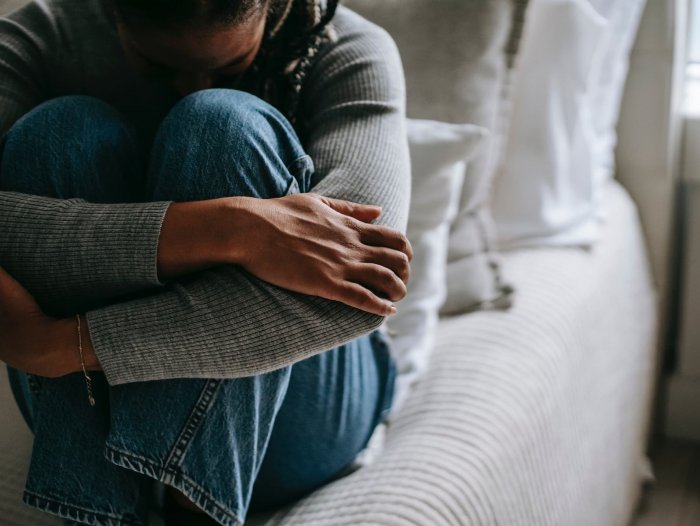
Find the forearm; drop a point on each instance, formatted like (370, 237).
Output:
(223, 324)
(37, 343)
(197, 235)
(226, 322)
(71, 254)
(63, 350)
(184, 245)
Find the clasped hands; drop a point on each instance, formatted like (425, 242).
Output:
(305, 243)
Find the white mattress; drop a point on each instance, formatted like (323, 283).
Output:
(535, 416)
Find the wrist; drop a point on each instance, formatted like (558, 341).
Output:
(65, 355)
(197, 235)
(62, 356)
(236, 217)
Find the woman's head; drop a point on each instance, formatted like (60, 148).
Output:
(192, 44)
(198, 44)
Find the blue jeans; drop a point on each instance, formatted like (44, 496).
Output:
(229, 445)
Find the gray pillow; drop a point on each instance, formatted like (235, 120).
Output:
(457, 55)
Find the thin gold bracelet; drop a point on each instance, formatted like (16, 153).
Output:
(88, 380)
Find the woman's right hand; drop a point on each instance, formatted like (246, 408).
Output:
(306, 243)
(323, 247)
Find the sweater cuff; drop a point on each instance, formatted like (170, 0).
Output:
(71, 254)
(116, 354)
(127, 237)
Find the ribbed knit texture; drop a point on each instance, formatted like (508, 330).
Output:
(70, 250)
(225, 323)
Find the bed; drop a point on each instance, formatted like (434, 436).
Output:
(534, 416)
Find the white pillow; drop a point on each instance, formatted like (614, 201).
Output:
(623, 17)
(560, 152)
(439, 153)
(457, 55)
(544, 193)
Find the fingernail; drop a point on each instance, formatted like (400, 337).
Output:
(392, 310)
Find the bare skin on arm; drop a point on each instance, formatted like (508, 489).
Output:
(36, 343)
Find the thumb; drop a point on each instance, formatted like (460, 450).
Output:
(364, 213)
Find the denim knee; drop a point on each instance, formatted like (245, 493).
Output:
(222, 142)
(74, 146)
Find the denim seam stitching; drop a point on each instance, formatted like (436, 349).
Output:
(204, 403)
(72, 512)
(170, 476)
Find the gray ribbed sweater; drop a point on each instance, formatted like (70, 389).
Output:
(225, 323)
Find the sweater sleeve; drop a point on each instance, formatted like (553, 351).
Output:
(72, 254)
(356, 99)
(26, 39)
(66, 252)
(225, 323)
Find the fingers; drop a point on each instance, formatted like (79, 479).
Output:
(359, 297)
(364, 213)
(381, 236)
(394, 260)
(379, 279)
(373, 235)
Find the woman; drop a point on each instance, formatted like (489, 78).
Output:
(164, 267)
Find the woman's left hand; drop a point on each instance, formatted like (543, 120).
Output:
(30, 340)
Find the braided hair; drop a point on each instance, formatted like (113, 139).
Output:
(295, 32)
(301, 29)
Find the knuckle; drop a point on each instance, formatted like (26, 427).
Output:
(352, 224)
(406, 270)
(385, 275)
(402, 265)
(346, 293)
(396, 295)
(386, 280)
(407, 274)
(399, 291)
(347, 253)
(366, 297)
